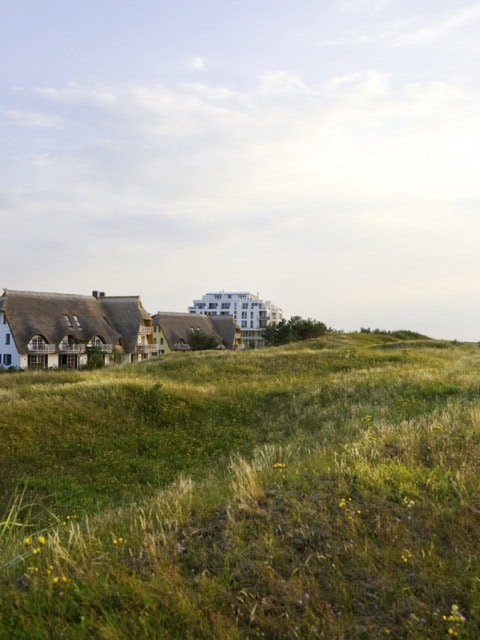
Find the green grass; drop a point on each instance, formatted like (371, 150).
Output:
(323, 489)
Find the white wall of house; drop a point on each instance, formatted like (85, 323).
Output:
(9, 355)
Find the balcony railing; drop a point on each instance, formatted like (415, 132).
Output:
(147, 348)
(181, 346)
(145, 331)
(41, 348)
(71, 348)
(104, 348)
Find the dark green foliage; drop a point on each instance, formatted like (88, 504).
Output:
(293, 330)
(95, 358)
(200, 341)
(401, 334)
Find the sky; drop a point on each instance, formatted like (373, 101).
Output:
(322, 153)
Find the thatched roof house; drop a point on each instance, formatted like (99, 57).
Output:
(176, 329)
(128, 316)
(54, 316)
(229, 330)
(60, 329)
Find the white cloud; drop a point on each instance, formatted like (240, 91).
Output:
(439, 30)
(198, 63)
(274, 82)
(75, 94)
(355, 177)
(33, 119)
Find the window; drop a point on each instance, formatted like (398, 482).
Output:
(37, 343)
(7, 338)
(251, 314)
(244, 314)
(37, 361)
(68, 322)
(251, 324)
(77, 322)
(225, 305)
(244, 324)
(95, 342)
(213, 305)
(7, 359)
(244, 305)
(4, 318)
(218, 296)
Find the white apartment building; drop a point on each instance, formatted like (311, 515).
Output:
(250, 312)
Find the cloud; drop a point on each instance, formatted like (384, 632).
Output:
(198, 63)
(74, 94)
(359, 177)
(439, 30)
(33, 119)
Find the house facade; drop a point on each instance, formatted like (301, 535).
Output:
(251, 312)
(51, 330)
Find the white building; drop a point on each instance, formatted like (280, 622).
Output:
(250, 312)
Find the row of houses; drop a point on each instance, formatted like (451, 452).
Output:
(51, 330)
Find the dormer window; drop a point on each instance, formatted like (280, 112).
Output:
(95, 342)
(68, 322)
(77, 322)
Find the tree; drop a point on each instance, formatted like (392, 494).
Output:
(200, 341)
(293, 330)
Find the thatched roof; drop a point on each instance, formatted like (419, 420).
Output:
(227, 328)
(125, 313)
(32, 313)
(178, 327)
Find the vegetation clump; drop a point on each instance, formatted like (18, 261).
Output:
(324, 489)
(294, 330)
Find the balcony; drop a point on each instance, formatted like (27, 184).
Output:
(181, 346)
(41, 348)
(145, 331)
(71, 348)
(104, 348)
(146, 348)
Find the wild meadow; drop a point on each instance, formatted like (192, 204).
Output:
(326, 489)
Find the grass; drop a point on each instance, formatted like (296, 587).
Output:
(326, 489)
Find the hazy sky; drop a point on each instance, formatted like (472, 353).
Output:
(324, 153)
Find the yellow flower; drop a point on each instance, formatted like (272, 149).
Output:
(36, 551)
(41, 540)
(27, 541)
(55, 579)
(279, 465)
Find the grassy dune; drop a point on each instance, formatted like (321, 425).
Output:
(322, 490)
